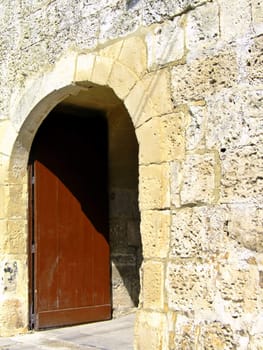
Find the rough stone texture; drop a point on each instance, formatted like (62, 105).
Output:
(166, 44)
(153, 279)
(235, 19)
(207, 75)
(188, 73)
(154, 191)
(202, 30)
(156, 236)
(244, 164)
(162, 139)
(197, 179)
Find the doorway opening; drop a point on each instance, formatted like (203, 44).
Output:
(85, 245)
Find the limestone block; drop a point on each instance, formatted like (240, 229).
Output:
(238, 293)
(234, 119)
(16, 240)
(245, 225)
(198, 179)
(235, 19)
(13, 316)
(190, 287)
(122, 80)
(17, 166)
(101, 70)
(4, 234)
(158, 87)
(7, 137)
(117, 19)
(18, 201)
(4, 195)
(195, 131)
(149, 330)
(84, 67)
(162, 139)
(82, 34)
(255, 61)
(139, 104)
(155, 228)
(165, 44)
(133, 54)
(154, 191)
(241, 174)
(216, 335)
(198, 232)
(203, 77)
(184, 333)
(257, 16)
(156, 11)
(202, 29)
(255, 342)
(175, 183)
(153, 285)
(112, 51)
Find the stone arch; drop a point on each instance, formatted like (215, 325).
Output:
(70, 75)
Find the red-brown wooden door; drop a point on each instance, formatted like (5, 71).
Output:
(70, 268)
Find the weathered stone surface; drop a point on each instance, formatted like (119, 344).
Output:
(233, 119)
(235, 19)
(245, 225)
(242, 174)
(198, 232)
(162, 139)
(207, 75)
(255, 61)
(257, 16)
(15, 318)
(202, 29)
(190, 287)
(195, 132)
(155, 228)
(116, 20)
(166, 44)
(17, 201)
(157, 86)
(154, 191)
(134, 55)
(16, 240)
(139, 104)
(122, 80)
(153, 285)
(150, 330)
(199, 179)
(7, 137)
(158, 10)
(217, 336)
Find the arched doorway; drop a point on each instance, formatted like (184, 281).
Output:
(87, 205)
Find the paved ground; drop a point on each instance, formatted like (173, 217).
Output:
(116, 334)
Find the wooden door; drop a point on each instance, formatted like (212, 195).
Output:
(70, 272)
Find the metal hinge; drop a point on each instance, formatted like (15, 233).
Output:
(33, 180)
(33, 248)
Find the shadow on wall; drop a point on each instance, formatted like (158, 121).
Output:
(126, 249)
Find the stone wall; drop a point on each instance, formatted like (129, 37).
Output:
(189, 72)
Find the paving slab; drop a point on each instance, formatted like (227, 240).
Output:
(116, 334)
